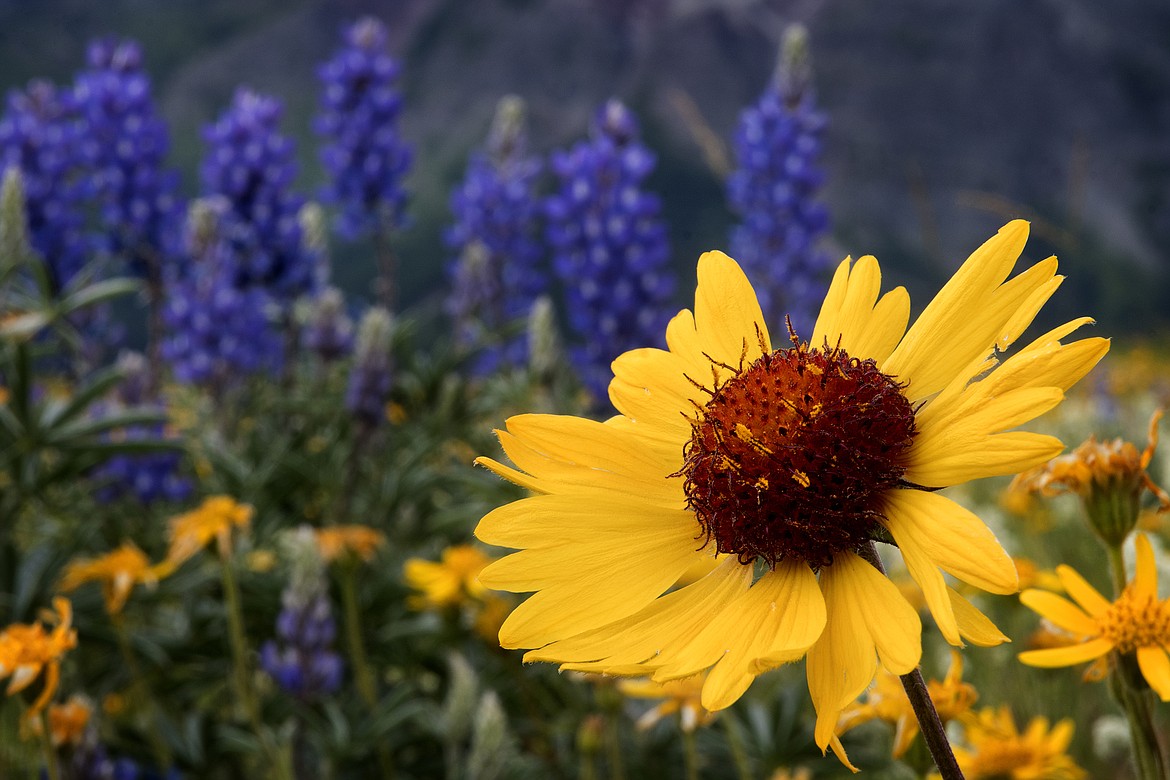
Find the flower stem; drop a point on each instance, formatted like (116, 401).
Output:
(735, 744)
(362, 673)
(929, 722)
(141, 691)
(690, 755)
(231, 595)
(1116, 568)
(51, 769)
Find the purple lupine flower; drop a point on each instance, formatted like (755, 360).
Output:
(328, 330)
(497, 276)
(216, 330)
(609, 245)
(124, 146)
(364, 156)
(146, 477)
(251, 166)
(301, 659)
(40, 133)
(773, 191)
(370, 379)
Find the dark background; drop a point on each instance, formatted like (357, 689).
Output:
(947, 117)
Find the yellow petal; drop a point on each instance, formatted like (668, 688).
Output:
(1066, 656)
(1155, 668)
(974, 626)
(22, 677)
(659, 390)
(988, 456)
(728, 319)
(852, 315)
(828, 319)
(1089, 598)
(926, 573)
(1145, 580)
(1060, 611)
(953, 538)
(552, 521)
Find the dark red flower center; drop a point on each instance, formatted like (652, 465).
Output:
(790, 457)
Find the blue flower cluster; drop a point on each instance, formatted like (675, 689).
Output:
(124, 147)
(370, 379)
(610, 245)
(216, 329)
(40, 133)
(92, 761)
(252, 167)
(301, 659)
(364, 155)
(497, 275)
(773, 191)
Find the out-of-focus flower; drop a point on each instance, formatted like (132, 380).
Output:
(118, 572)
(609, 244)
(301, 659)
(214, 519)
(681, 696)
(997, 749)
(496, 277)
(370, 377)
(328, 331)
(260, 561)
(1136, 623)
(360, 541)
(27, 649)
(726, 440)
(363, 154)
(251, 166)
(1032, 576)
(451, 582)
(887, 701)
(490, 613)
(1110, 478)
(773, 190)
(788, 773)
(67, 721)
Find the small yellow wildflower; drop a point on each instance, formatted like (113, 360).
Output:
(887, 701)
(114, 704)
(214, 519)
(493, 611)
(27, 649)
(118, 572)
(681, 696)
(998, 750)
(1032, 576)
(1136, 623)
(339, 540)
(67, 721)
(450, 583)
(260, 561)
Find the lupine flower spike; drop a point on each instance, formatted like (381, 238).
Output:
(370, 379)
(726, 446)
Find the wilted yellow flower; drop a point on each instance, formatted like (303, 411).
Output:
(359, 540)
(788, 459)
(67, 721)
(1110, 478)
(1136, 623)
(681, 696)
(449, 583)
(118, 571)
(887, 701)
(997, 750)
(214, 519)
(27, 649)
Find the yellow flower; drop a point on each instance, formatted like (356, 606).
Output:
(887, 701)
(359, 540)
(681, 696)
(998, 750)
(67, 721)
(214, 519)
(1032, 576)
(118, 572)
(451, 583)
(1136, 623)
(493, 609)
(27, 649)
(788, 461)
(4, 395)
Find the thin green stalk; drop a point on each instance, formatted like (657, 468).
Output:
(1117, 569)
(141, 692)
(50, 753)
(613, 747)
(362, 673)
(743, 766)
(929, 722)
(690, 754)
(239, 647)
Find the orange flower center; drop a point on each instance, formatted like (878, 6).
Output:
(791, 455)
(1136, 620)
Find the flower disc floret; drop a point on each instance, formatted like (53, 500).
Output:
(1136, 619)
(791, 456)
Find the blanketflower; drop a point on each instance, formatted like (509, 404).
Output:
(887, 701)
(681, 696)
(358, 540)
(27, 649)
(1137, 622)
(788, 461)
(118, 571)
(214, 519)
(997, 749)
(450, 583)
